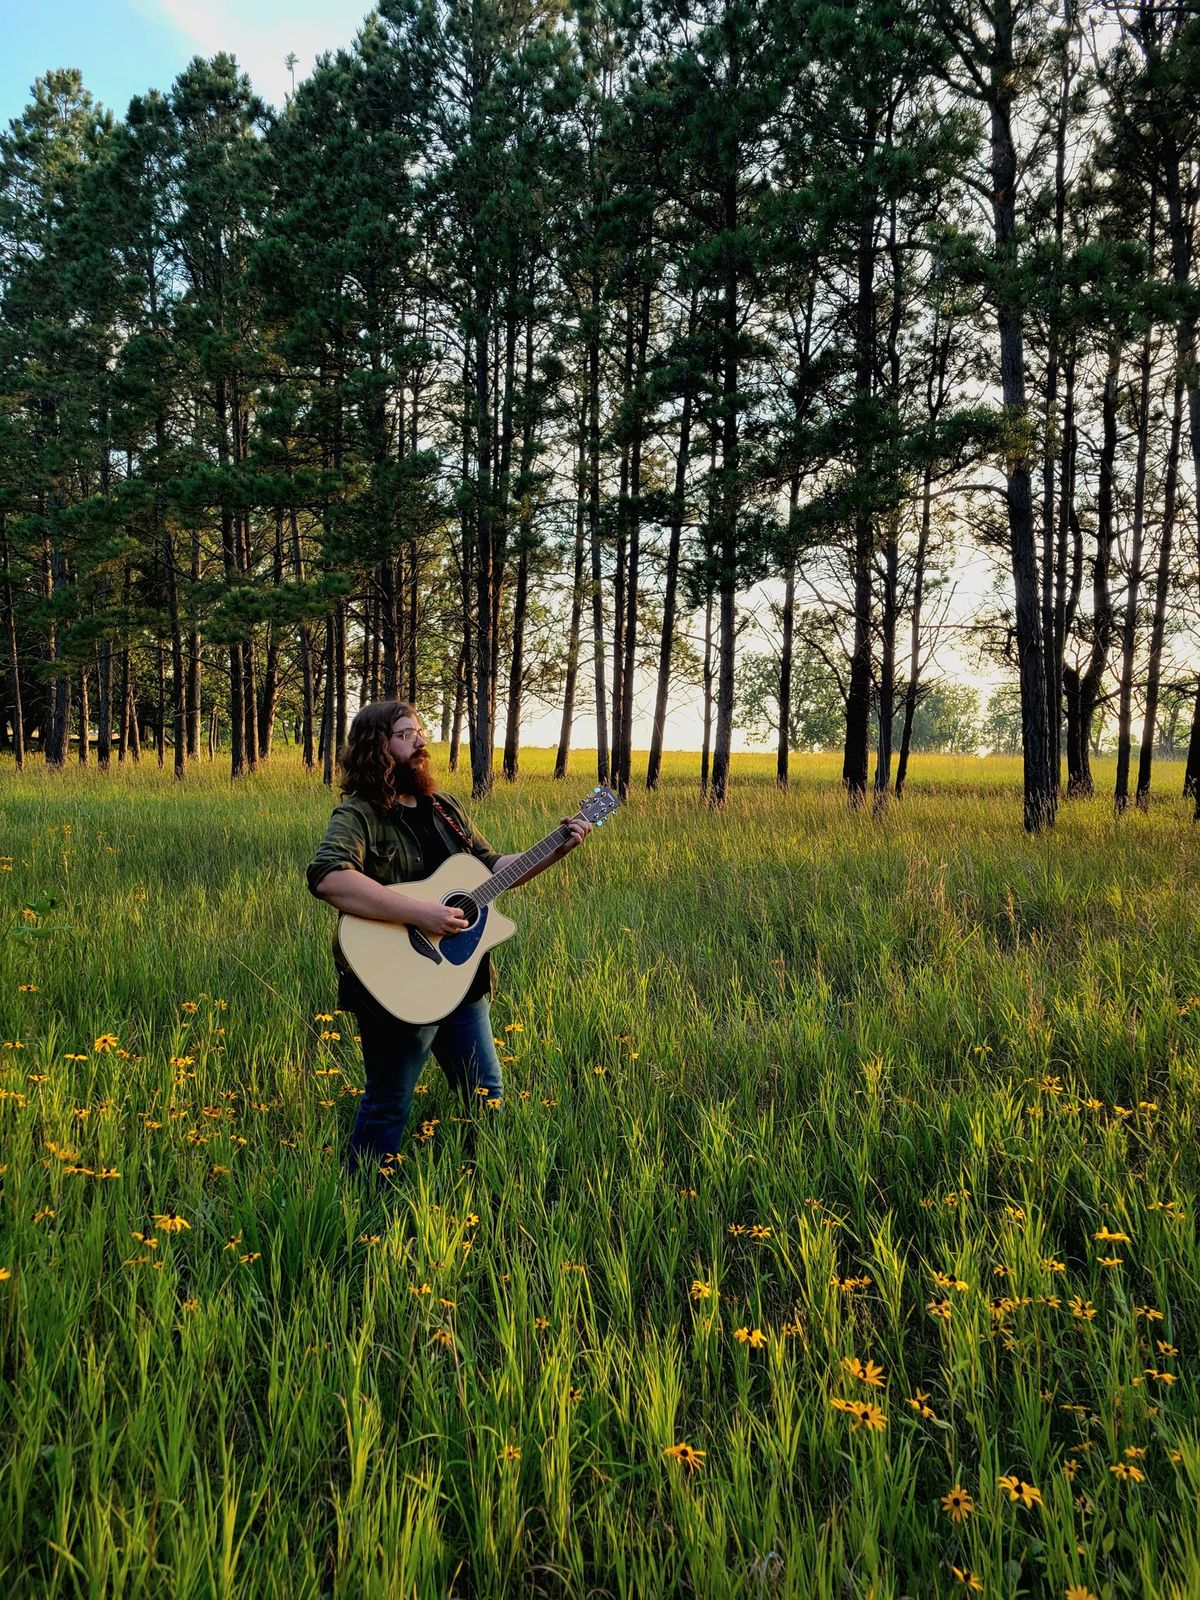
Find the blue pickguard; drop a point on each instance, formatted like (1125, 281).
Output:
(460, 947)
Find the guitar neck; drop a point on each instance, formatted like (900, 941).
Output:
(516, 869)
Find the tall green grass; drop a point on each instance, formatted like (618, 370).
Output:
(768, 1072)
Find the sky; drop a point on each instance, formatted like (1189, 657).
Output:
(124, 47)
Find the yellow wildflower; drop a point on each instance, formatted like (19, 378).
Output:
(686, 1455)
(957, 1504)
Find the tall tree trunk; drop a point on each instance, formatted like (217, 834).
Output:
(603, 765)
(389, 629)
(135, 737)
(340, 670)
(305, 640)
(619, 573)
(1181, 221)
(858, 699)
(85, 717)
(678, 505)
(177, 679)
(482, 739)
(461, 678)
(1040, 789)
(1162, 585)
(1083, 688)
(229, 557)
(787, 643)
(13, 652)
(512, 728)
(625, 758)
(563, 753)
(1133, 588)
(327, 706)
(160, 727)
(887, 667)
(707, 679)
(414, 617)
(730, 491)
(270, 686)
(194, 667)
(914, 650)
(516, 676)
(104, 685)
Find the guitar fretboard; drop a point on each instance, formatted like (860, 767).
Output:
(516, 870)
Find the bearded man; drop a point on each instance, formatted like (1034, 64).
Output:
(393, 826)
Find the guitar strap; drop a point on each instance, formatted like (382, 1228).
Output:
(456, 827)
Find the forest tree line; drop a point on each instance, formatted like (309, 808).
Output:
(525, 343)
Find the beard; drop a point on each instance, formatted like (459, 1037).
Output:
(414, 776)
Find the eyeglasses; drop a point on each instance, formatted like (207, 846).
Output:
(406, 734)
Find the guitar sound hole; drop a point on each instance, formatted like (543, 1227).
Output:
(463, 903)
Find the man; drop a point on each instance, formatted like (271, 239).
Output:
(393, 827)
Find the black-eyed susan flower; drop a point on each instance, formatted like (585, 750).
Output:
(971, 1581)
(754, 1337)
(509, 1452)
(686, 1455)
(701, 1290)
(1018, 1491)
(866, 1415)
(957, 1504)
(945, 1280)
(869, 1372)
(1079, 1591)
(939, 1309)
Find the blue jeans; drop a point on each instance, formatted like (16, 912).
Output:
(394, 1053)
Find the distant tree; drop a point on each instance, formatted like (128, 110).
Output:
(947, 719)
(1000, 730)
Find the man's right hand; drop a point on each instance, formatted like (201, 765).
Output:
(436, 920)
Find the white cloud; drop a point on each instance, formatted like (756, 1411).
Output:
(260, 33)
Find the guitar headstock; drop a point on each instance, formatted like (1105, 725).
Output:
(601, 803)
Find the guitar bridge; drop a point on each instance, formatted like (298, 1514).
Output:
(423, 947)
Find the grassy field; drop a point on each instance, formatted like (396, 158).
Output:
(836, 1237)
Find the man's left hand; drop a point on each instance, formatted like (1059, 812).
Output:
(578, 828)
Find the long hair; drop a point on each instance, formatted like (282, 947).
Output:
(365, 765)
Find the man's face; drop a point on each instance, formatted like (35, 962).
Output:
(406, 746)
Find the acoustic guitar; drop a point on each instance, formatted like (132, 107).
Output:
(420, 978)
